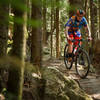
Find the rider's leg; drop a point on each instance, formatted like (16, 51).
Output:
(76, 43)
(70, 47)
(77, 37)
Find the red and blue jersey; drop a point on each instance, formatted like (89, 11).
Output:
(75, 25)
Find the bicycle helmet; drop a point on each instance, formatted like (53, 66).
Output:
(80, 12)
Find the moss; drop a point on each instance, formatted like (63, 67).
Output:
(60, 87)
(77, 95)
(62, 96)
(71, 84)
(50, 97)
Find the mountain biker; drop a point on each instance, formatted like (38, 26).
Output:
(72, 29)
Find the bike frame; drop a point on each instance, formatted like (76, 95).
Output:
(75, 56)
(78, 47)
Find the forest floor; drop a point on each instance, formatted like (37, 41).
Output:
(91, 84)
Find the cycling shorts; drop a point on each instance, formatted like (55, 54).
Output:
(74, 37)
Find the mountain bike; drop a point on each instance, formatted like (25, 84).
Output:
(80, 57)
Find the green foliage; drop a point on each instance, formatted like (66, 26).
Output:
(95, 0)
(29, 69)
(11, 18)
(18, 20)
(19, 5)
(34, 23)
(36, 2)
(4, 2)
(47, 3)
(73, 8)
(63, 4)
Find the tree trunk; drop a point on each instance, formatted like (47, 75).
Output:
(36, 38)
(44, 22)
(16, 71)
(57, 30)
(36, 47)
(87, 9)
(52, 14)
(93, 14)
(3, 35)
(93, 19)
(29, 28)
(99, 20)
(4, 12)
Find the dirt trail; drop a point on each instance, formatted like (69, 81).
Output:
(91, 85)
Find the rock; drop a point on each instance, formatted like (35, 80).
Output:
(60, 87)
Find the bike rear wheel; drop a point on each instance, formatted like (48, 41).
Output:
(82, 63)
(68, 63)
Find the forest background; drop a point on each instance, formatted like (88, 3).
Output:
(32, 31)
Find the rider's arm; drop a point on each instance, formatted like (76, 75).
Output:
(67, 26)
(87, 29)
(66, 32)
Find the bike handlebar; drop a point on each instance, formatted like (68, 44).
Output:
(80, 40)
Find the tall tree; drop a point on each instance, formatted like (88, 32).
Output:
(99, 20)
(16, 71)
(57, 30)
(36, 38)
(44, 21)
(52, 19)
(93, 15)
(4, 12)
(29, 4)
(86, 9)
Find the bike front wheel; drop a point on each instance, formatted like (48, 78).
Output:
(67, 61)
(82, 63)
